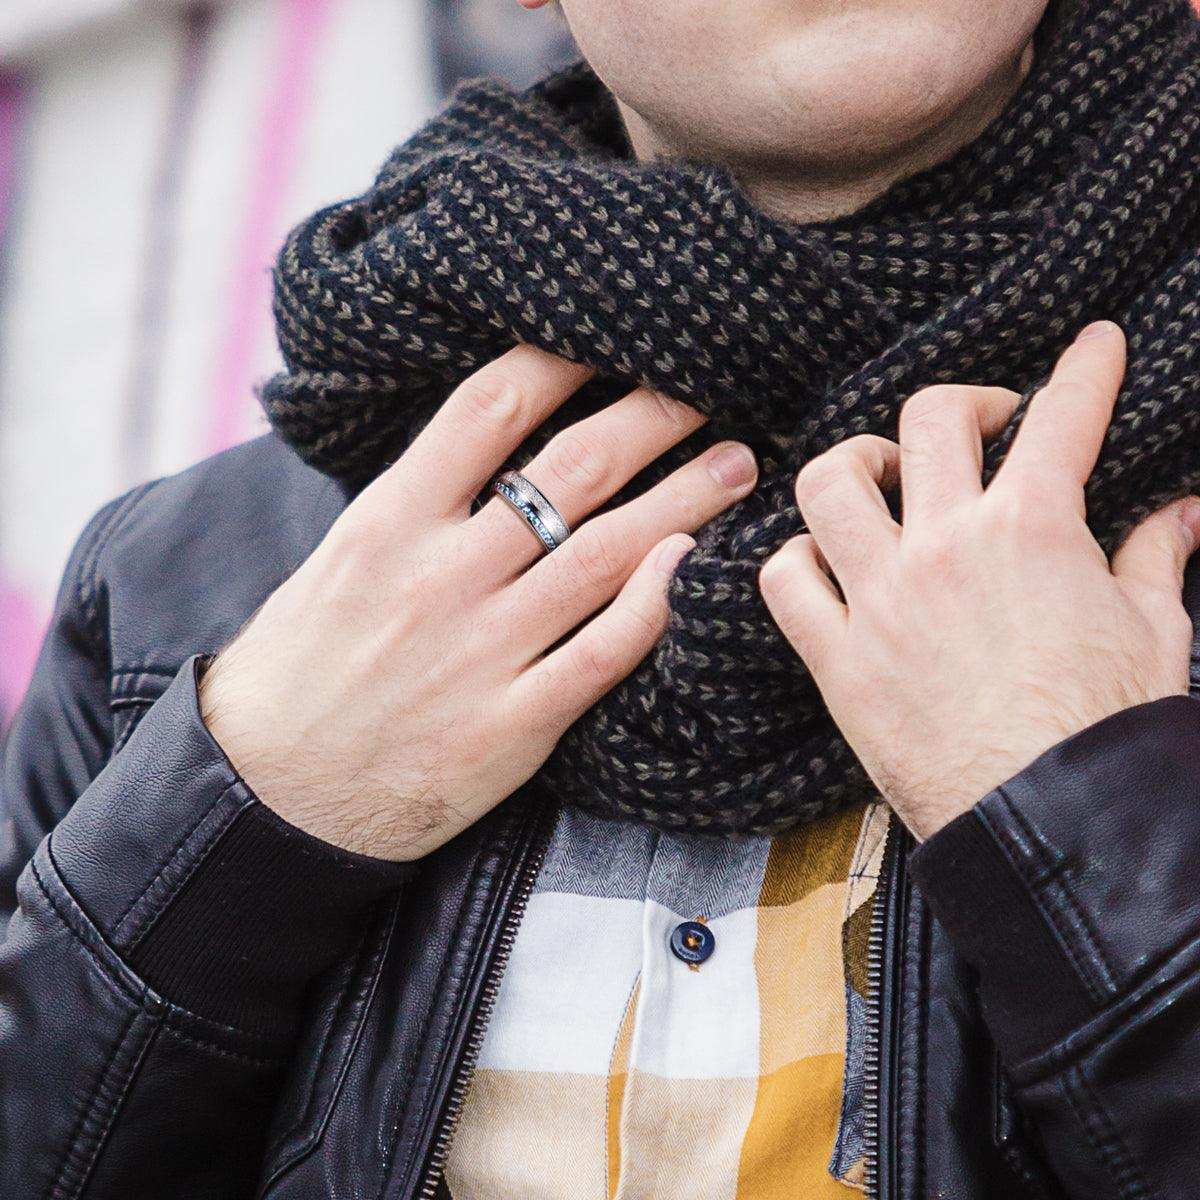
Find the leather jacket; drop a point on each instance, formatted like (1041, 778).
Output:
(198, 1001)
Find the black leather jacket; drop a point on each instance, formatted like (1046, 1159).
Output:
(196, 1001)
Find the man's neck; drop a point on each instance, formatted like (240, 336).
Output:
(822, 192)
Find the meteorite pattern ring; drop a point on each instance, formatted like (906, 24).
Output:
(538, 513)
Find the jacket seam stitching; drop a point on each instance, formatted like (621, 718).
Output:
(77, 1148)
(86, 574)
(1056, 891)
(140, 926)
(1082, 1042)
(91, 942)
(1048, 912)
(1102, 1133)
(1088, 929)
(390, 1154)
(164, 672)
(183, 1018)
(137, 1057)
(254, 1060)
(127, 732)
(57, 1185)
(122, 985)
(327, 1039)
(303, 1127)
(90, 567)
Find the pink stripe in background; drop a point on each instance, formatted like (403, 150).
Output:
(21, 622)
(21, 628)
(12, 111)
(302, 24)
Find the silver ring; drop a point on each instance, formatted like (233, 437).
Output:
(528, 502)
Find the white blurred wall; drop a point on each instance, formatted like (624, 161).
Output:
(152, 156)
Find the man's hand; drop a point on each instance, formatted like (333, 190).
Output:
(413, 672)
(990, 624)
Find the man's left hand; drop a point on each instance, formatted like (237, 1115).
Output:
(989, 624)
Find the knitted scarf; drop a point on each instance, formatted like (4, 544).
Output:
(523, 216)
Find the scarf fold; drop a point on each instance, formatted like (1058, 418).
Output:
(522, 216)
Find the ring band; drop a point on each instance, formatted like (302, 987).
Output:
(528, 502)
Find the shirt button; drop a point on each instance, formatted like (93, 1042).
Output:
(692, 942)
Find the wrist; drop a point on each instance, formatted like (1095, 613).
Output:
(293, 783)
(934, 805)
(928, 810)
(224, 705)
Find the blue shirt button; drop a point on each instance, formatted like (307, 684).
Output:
(692, 942)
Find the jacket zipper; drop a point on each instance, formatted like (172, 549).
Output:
(465, 1067)
(882, 1053)
(882, 966)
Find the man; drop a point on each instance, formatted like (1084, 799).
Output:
(522, 843)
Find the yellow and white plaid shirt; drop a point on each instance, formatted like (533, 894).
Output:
(613, 1070)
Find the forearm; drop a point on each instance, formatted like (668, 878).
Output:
(1071, 890)
(155, 970)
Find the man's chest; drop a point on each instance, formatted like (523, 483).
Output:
(681, 1016)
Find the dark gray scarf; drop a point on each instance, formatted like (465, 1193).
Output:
(522, 217)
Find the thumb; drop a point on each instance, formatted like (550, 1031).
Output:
(1156, 552)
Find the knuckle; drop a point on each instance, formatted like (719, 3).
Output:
(1170, 615)
(1167, 536)
(577, 462)
(1178, 621)
(1023, 512)
(816, 477)
(866, 449)
(689, 498)
(1163, 608)
(492, 398)
(775, 575)
(930, 405)
(595, 660)
(671, 413)
(643, 620)
(860, 445)
(366, 539)
(932, 553)
(596, 555)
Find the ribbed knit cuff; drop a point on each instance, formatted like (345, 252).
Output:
(268, 910)
(1030, 992)
(220, 905)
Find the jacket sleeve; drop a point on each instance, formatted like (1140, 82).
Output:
(1073, 889)
(161, 926)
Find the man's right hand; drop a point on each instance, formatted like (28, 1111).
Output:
(406, 678)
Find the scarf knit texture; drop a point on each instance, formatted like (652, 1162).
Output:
(522, 216)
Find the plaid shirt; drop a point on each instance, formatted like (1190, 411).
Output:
(612, 1068)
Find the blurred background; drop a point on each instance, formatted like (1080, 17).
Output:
(153, 153)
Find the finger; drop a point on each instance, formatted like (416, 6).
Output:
(481, 423)
(1064, 427)
(558, 689)
(803, 599)
(1155, 553)
(840, 495)
(583, 466)
(942, 430)
(589, 568)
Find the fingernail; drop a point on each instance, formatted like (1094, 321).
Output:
(671, 551)
(1097, 329)
(733, 465)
